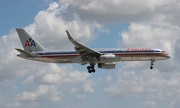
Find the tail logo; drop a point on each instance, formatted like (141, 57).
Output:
(30, 42)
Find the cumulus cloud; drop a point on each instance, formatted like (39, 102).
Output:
(87, 87)
(81, 96)
(51, 24)
(73, 90)
(152, 36)
(43, 93)
(120, 88)
(22, 105)
(14, 105)
(174, 104)
(149, 104)
(11, 65)
(125, 10)
(156, 86)
(108, 79)
(157, 26)
(57, 75)
(48, 25)
(176, 49)
(53, 81)
(49, 29)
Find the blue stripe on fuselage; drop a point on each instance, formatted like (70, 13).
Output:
(105, 52)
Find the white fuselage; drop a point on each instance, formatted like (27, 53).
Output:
(129, 54)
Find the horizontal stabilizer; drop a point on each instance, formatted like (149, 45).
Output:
(25, 53)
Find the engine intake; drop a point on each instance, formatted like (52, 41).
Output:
(107, 65)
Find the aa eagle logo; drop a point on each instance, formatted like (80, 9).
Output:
(29, 43)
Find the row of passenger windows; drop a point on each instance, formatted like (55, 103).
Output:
(120, 51)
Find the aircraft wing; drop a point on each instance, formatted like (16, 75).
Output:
(83, 50)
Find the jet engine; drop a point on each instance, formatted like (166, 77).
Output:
(106, 58)
(107, 65)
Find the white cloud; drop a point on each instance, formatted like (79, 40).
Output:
(63, 77)
(14, 105)
(174, 104)
(124, 10)
(173, 83)
(51, 24)
(149, 104)
(176, 50)
(151, 36)
(108, 79)
(42, 94)
(53, 6)
(87, 87)
(81, 97)
(29, 79)
(156, 85)
(158, 28)
(57, 75)
(160, 20)
(22, 105)
(49, 29)
(48, 25)
(73, 90)
(12, 67)
(128, 84)
(51, 78)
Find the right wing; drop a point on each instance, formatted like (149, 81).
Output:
(83, 50)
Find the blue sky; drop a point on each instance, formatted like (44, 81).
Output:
(105, 24)
(19, 14)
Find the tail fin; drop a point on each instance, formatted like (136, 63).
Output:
(29, 43)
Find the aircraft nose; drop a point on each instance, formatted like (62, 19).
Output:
(165, 54)
(168, 56)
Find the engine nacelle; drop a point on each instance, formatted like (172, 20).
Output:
(107, 65)
(106, 58)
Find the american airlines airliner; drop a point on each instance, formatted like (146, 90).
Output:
(104, 58)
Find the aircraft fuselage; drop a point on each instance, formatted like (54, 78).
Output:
(120, 55)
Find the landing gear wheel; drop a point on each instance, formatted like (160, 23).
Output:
(91, 69)
(152, 63)
(151, 67)
(88, 67)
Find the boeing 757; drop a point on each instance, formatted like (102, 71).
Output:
(104, 58)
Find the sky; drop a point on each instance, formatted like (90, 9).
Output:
(97, 24)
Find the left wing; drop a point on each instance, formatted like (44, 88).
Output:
(83, 50)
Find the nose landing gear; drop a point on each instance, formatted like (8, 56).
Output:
(152, 63)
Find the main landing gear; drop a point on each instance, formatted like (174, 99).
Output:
(91, 68)
(152, 63)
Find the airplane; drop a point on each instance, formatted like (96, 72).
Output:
(104, 58)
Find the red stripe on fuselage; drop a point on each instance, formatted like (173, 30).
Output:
(61, 56)
(133, 54)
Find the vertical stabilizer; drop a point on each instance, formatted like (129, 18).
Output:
(29, 43)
